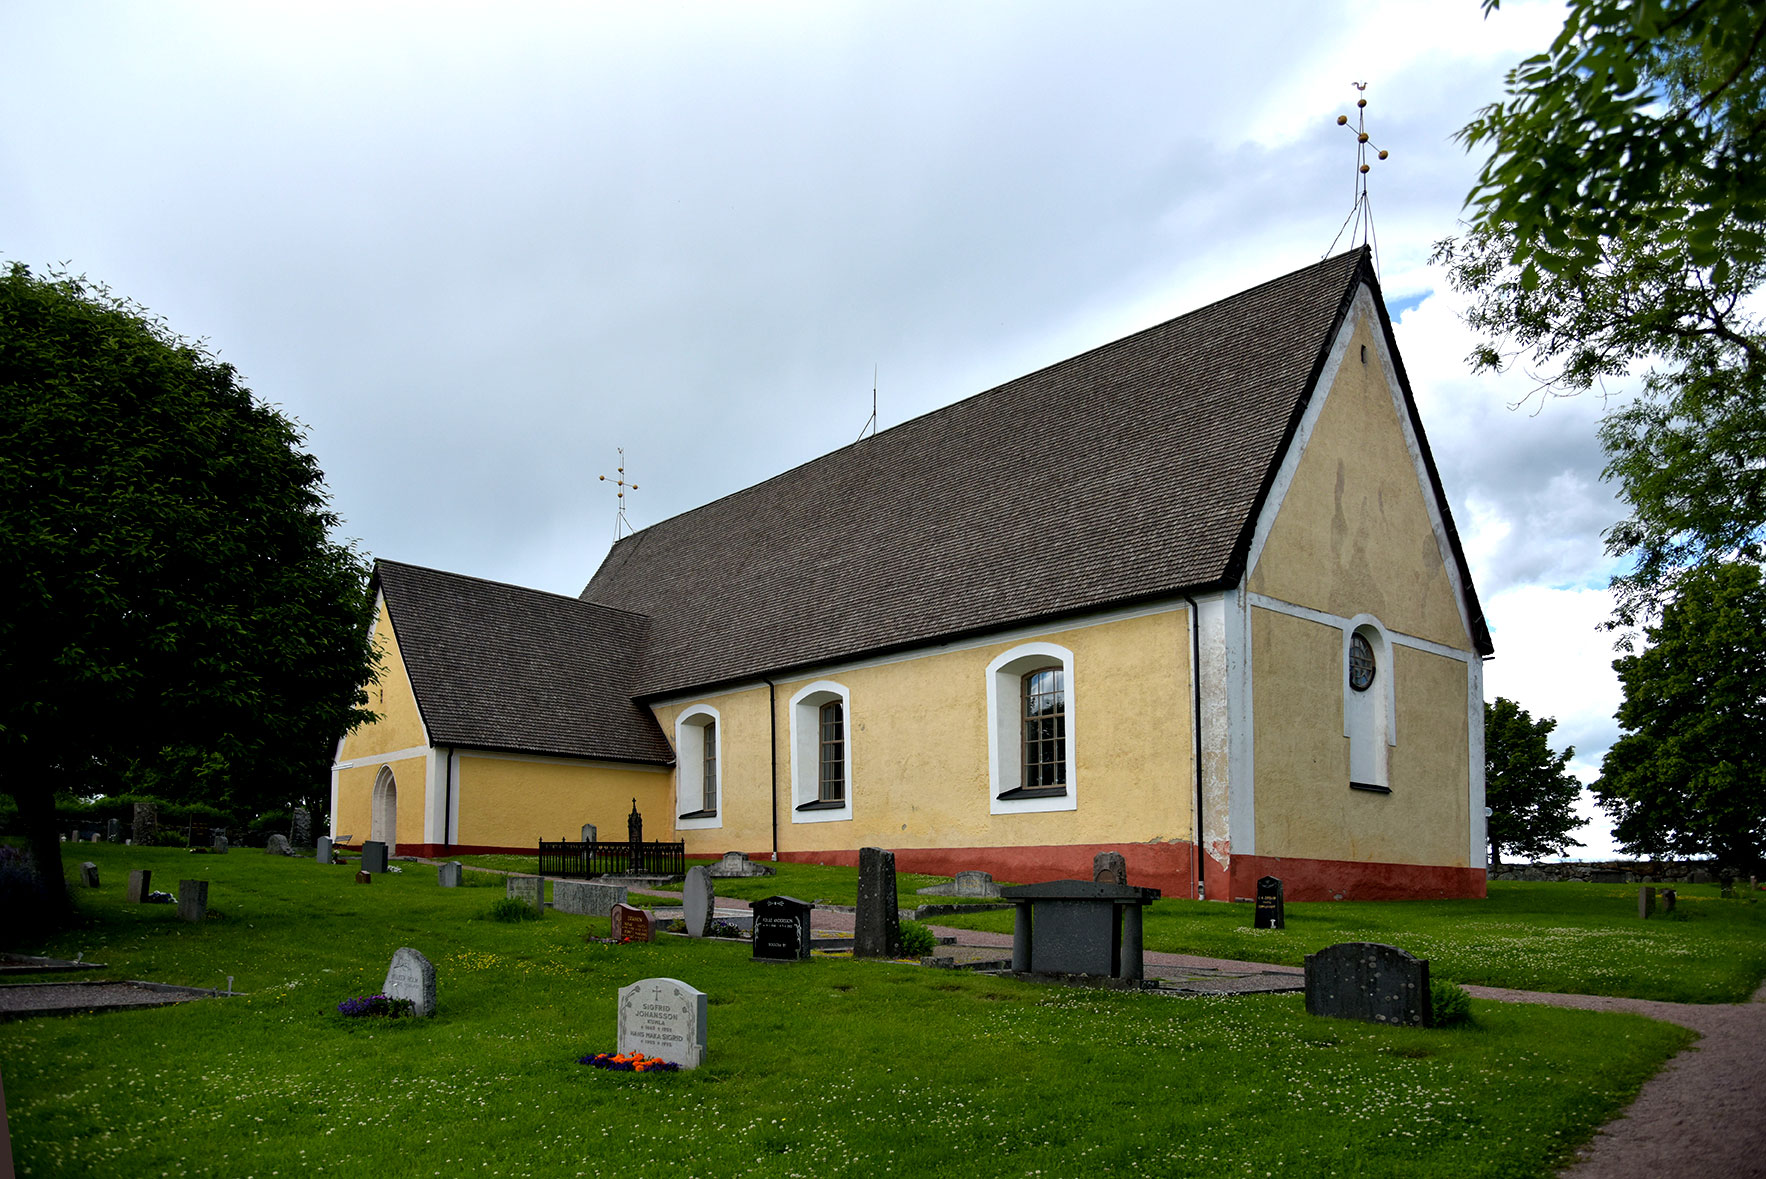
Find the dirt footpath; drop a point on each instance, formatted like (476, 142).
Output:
(1704, 1114)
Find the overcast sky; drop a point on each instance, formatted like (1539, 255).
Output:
(474, 249)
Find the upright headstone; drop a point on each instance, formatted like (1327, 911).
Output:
(1669, 897)
(1700, 876)
(1370, 981)
(1646, 902)
(629, 923)
(145, 829)
(301, 832)
(192, 900)
(665, 1018)
(698, 900)
(373, 856)
(736, 864)
(450, 874)
(140, 884)
(364, 877)
(781, 929)
(1109, 868)
(113, 830)
(89, 874)
(586, 898)
(634, 834)
(1270, 913)
(220, 844)
(877, 930)
(589, 833)
(277, 845)
(322, 851)
(530, 890)
(410, 976)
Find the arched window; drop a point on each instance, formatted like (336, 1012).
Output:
(698, 761)
(1368, 704)
(821, 753)
(1030, 730)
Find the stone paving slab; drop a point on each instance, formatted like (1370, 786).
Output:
(25, 1000)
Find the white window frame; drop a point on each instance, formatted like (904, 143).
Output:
(690, 728)
(1005, 728)
(806, 752)
(1370, 718)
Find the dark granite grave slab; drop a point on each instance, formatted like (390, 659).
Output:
(1368, 981)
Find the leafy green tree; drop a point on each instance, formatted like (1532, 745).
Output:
(1619, 228)
(1530, 793)
(175, 617)
(1686, 776)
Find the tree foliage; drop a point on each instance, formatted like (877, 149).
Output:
(176, 618)
(1618, 228)
(1530, 793)
(1686, 776)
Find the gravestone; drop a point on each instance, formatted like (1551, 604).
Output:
(373, 856)
(277, 845)
(1109, 868)
(1700, 876)
(632, 924)
(146, 826)
(781, 929)
(964, 884)
(589, 833)
(113, 830)
(1646, 902)
(877, 931)
(410, 976)
(89, 874)
(220, 845)
(587, 898)
(322, 852)
(364, 877)
(1079, 927)
(140, 884)
(192, 900)
(698, 900)
(450, 874)
(1368, 981)
(1270, 913)
(737, 864)
(529, 890)
(663, 1017)
(1669, 897)
(302, 831)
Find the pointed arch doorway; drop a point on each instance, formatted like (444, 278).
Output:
(385, 819)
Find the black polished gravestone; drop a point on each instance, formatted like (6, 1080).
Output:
(1078, 927)
(781, 929)
(1269, 912)
(1368, 980)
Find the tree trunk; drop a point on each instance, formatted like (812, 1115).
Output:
(36, 813)
(1495, 857)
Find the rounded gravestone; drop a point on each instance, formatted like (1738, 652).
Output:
(697, 900)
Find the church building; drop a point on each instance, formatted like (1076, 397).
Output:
(1194, 596)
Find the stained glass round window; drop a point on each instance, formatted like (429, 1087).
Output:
(1361, 664)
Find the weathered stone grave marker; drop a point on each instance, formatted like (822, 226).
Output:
(192, 900)
(1700, 876)
(1646, 902)
(277, 845)
(632, 924)
(113, 830)
(781, 929)
(1368, 981)
(587, 898)
(1270, 912)
(529, 890)
(877, 931)
(736, 864)
(140, 884)
(302, 827)
(450, 874)
(146, 825)
(373, 856)
(411, 976)
(1669, 897)
(698, 900)
(322, 852)
(964, 884)
(1109, 868)
(589, 833)
(89, 874)
(220, 845)
(663, 1017)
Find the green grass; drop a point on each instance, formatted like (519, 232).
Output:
(826, 1068)
(1567, 938)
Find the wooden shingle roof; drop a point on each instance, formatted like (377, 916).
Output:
(497, 666)
(1131, 472)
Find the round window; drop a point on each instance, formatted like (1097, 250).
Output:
(1361, 664)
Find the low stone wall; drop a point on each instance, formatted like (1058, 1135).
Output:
(1616, 872)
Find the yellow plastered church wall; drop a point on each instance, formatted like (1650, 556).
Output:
(516, 802)
(355, 797)
(1305, 808)
(918, 734)
(744, 776)
(400, 725)
(1353, 533)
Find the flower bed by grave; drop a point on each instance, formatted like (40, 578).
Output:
(379, 1006)
(629, 1062)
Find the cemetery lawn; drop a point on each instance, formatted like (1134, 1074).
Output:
(1569, 938)
(826, 1068)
